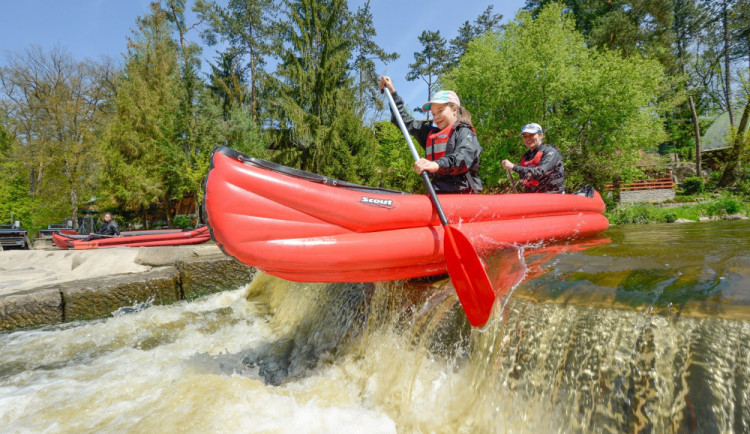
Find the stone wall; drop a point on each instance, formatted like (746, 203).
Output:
(647, 196)
(100, 297)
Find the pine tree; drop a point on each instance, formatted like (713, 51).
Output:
(147, 164)
(249, 28)
(430, 63)
(486, 22)
(315, 90)
(366, 52)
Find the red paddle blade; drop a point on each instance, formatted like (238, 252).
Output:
(468, 276)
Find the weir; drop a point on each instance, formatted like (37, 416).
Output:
(619, 336)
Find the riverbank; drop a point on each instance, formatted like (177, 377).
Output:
(701, 208)
(42, 287)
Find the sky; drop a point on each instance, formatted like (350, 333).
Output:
(96, 28)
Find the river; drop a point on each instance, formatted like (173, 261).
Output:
(645, 329)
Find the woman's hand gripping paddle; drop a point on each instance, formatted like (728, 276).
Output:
(466, 271)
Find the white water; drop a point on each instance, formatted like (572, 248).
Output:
(278, 357)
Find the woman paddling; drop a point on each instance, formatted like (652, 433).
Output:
(451, 147)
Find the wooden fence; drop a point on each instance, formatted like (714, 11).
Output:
(645, 184)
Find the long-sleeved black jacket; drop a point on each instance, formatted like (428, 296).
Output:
(461, 154)
(546, 177)
(109, 228)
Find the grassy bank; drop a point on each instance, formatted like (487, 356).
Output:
(688, 207)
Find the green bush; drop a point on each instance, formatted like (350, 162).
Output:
(724, 205)
(183, 221)
(693, 185)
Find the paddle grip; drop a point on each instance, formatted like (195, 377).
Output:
(413, 149)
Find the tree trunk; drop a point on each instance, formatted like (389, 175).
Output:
(734, 155)
(727, 71)
(697, 130)
(168, 212)
(74, 205)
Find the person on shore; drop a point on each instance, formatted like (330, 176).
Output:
(108, 228)
(541, 169)
(451, 146)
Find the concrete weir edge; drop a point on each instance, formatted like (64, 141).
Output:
(100, 297)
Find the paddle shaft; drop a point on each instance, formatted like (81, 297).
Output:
(425, 176)
(512, 184)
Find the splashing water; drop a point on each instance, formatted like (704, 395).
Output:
(647, 332)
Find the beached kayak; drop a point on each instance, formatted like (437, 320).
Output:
(157, 237)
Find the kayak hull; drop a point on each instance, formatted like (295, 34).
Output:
(134, 239)
(305, 227)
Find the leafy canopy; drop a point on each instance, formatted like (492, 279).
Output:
(596, 106)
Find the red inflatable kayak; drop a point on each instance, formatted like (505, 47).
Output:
(156, 237)
(305, 227)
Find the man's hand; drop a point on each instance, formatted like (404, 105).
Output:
(508, 165)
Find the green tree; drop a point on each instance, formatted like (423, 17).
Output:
(249, 28)
(366, 52)
(430, 63)
(395, 169)
(598, 107)
(15, 202)
(227, 82)
(146, 163)
(56, 109)
(319, 130)
(688, 24)
(487, 21)
(635, 27)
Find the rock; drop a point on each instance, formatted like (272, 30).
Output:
(684, 221)
(682, 170)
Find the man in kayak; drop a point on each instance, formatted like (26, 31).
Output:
(541, 169)
(451, 147)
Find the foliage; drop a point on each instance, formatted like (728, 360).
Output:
(319, 130)
(486, 22)
(145, 163)
(724, 205)
(396, 162)
(716, 207)
(248, 27)
(640, 214)
(366, 52)
(161, 135)
(632, 27)
(693, 185)
(430, 63)
(598, 107)
(57, 108)
(183, 222)
(15, 202)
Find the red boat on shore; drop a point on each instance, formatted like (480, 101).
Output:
(68, 239)
(306, 227)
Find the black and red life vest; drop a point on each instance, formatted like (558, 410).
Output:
(553, 181)
(439, 140)
(534, 162)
